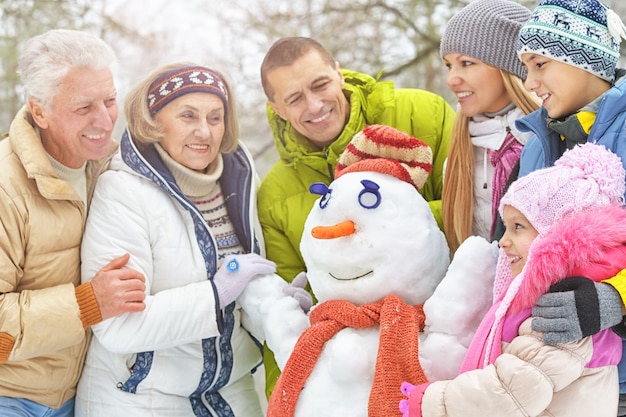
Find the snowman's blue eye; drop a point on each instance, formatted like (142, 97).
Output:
(320, 188)
(369, 197)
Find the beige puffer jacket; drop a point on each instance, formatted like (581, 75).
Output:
(42, 334)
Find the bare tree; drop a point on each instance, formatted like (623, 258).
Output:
(391, 39)
(396, 40)
(22, 19)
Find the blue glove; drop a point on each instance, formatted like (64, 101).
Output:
(236, 272)
(297, 290)
(576, 307)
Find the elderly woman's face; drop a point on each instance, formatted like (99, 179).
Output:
(193, 127)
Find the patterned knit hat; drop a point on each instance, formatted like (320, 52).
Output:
(582, 33)
(185, 80)
(586, 177)
(487, 30)
(384, 149)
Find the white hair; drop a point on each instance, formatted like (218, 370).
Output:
(47, 58)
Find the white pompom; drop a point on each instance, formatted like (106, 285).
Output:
(615, 25)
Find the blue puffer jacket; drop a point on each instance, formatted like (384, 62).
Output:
(609, 129)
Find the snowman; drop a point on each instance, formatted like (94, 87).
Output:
(374, 256)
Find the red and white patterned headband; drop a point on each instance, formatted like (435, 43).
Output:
(181, 81)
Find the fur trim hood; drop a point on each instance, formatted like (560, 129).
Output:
(590, 244)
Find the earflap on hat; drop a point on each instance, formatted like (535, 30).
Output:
(384, 149)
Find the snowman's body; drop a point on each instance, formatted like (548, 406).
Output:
(345, 366)
(394, 246)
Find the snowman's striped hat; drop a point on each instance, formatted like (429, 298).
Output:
(384, 149)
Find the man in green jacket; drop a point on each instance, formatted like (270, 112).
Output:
(314, 110)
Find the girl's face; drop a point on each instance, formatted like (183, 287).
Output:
(558, 85)
(517, 238)
(478, 87)
(193, 127)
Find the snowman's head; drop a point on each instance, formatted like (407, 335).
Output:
(370, 235)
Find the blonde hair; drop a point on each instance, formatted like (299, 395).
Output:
(458, 188)
(144, 128)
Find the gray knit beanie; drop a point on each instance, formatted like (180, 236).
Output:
(487, 30)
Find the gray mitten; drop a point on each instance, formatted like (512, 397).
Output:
(576, 307)
(236, 272)
(297, 290)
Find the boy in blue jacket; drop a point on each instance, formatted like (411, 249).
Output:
(571, 49)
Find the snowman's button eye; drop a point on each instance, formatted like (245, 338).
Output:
(369, 197)
(320, 188)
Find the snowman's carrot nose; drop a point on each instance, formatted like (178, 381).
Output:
(332, 232)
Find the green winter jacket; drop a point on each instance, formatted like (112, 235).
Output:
(284, 200)
(284, 197)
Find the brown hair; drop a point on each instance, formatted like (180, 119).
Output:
(143, 127)
(458, 188)
(285, 52)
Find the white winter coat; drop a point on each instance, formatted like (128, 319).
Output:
(183, 355)
(488, 133)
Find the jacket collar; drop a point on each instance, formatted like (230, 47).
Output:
(26, 143)
(144, 160)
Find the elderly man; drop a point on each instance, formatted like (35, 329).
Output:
(57, 145)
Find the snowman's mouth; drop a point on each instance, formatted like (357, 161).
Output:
(351, 278)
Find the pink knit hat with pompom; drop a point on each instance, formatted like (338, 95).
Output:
(586, 177)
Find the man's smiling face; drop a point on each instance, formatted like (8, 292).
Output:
(309, 94)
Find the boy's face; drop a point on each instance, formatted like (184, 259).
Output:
(517, 238)
(563, 89)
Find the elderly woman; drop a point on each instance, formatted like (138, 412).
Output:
(180, 198)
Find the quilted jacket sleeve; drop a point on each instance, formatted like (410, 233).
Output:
(136, 218)
(521, 382)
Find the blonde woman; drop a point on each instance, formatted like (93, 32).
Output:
(479, 49)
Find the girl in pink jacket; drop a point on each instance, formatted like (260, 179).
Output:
(563, 221)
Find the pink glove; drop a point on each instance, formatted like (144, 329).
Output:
(406, 389)
(412, 406)
(236, 272)
(297, 290)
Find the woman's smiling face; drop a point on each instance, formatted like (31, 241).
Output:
(193, 128)
(479, 87)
